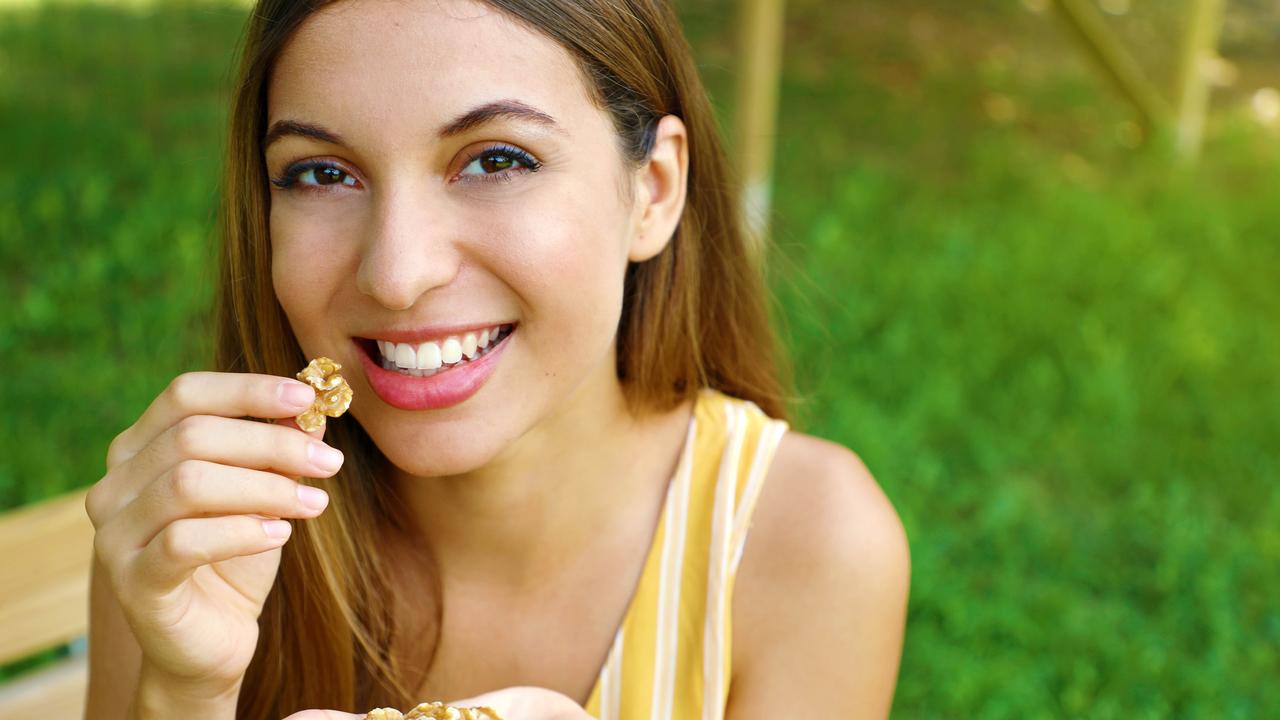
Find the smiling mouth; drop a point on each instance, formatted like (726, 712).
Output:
(433, 358)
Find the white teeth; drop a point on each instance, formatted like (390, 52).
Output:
(428, 356)
(451, 351)
(405, 356)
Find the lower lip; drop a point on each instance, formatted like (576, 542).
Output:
(442, 390)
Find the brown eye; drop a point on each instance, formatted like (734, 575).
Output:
(329, 176)
(496, 162)
(499, 163)
(312, 175)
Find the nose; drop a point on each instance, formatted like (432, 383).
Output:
(409, 250)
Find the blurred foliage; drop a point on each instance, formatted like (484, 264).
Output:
(1056, 353)
(112, 124)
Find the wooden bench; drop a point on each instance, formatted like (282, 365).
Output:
(46, 551)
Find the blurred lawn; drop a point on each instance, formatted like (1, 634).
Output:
(1056, 354)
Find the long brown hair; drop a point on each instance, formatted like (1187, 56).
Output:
(696, 315)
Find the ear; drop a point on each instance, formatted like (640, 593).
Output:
(660, 190)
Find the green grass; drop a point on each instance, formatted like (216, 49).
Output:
(112, 124)
(1056, 354)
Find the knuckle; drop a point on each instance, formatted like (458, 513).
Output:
(186, 481)
(182, 390)
(177, 542)
(187, 434)
(102, 500)
(116, 450)
(93, 504)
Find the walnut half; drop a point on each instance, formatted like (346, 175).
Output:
(333, 394)
(434, 711)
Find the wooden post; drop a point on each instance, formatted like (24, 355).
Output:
(760, 34)
(1116, 63)
(1200, 47)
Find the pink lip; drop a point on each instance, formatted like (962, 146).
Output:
(442, 390)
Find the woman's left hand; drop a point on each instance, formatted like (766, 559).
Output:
(514, 703)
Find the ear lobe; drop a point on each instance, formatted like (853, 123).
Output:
(661, 197)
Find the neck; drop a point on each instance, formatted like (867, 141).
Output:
(570, 485)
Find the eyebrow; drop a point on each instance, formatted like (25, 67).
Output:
(473, 118)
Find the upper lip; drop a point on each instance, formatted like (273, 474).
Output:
(430, 332)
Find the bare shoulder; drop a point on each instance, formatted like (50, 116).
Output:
(821, 509)
(819, 605)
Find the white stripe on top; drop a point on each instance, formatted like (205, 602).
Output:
(611, 681)
(666, 643)
(718, 564)
(770, 436)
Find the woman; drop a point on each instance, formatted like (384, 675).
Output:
(510, 222)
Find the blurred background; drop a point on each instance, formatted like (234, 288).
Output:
(1049, 332)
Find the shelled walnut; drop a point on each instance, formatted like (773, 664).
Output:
(333, 394)
(434, 711)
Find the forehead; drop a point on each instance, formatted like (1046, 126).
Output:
(412, 65)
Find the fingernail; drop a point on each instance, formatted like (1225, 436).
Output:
(313, 497)
(277, 529)
(295, 394)
(324, 457)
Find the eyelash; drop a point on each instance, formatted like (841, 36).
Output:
(289, 177)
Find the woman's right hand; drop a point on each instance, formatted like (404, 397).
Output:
(187, 519)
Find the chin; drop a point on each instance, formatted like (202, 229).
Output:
(437, 449)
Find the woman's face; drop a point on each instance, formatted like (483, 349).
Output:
(415, 221)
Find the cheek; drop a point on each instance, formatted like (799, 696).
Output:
(568, 264)
(304, 264)
(585, 223)
(287, 276)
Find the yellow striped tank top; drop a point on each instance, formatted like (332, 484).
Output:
(670, 658)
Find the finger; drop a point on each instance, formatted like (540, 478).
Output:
(292, 422)
(227, 441)
(187, 544)
(323, 715)
(526, 701)
(212, 393)
(245, 443)
(501, 702)
(198, 488)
